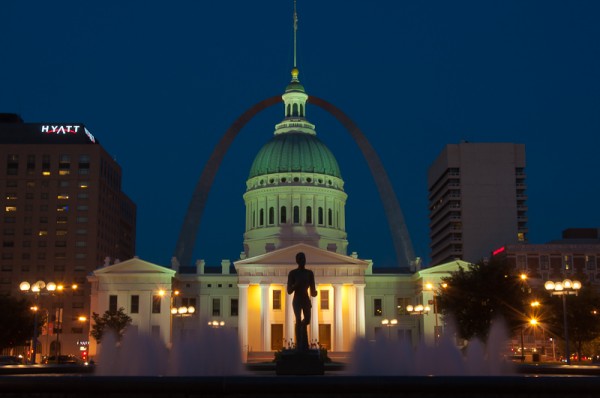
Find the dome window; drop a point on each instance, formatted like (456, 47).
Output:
(271, 216)
(283, 215)
(271, 181)
(308, 215)
(261, 220)
(296, 215)
(330, 217)
(296, 179)
(309, 179)
(320, 215)
(283, 179)
(295, 110)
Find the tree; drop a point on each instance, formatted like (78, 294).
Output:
(485, 292)
(16, 319)
(115, 321)
(582, 317)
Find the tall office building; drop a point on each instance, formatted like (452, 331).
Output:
(63, 214)
(477, 200)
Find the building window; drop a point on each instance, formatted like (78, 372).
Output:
(296, 215)
(401, 303)
(590, 262)
(567, 262)
(271, 216)
(329, 217)
(156, 299)
(283, 216)
(10, 208)
(112, 303)
(320, 216)
(324, 295)
(234, 307)
(261, 218)
(276, 299)
(188, 301)
(522, 262)
(544, 262)
(82, 219)
(377, 307)
(135, 304)
(216, 307)
(308, 215)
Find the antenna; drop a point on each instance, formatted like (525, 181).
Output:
(295, 30)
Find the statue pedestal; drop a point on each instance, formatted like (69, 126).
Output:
(293, 362)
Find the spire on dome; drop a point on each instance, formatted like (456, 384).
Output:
(295, 30)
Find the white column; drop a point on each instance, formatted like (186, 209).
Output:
(289, 319)
(338, 341)
(360, 310)
(243, 319)
(314, 320)
(265, 321)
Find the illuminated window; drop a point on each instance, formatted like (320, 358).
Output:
(46, 173)
(62, 207)
(11, 196)
(324, 295)
(42, 232)
(10, 208)
(276, 299)
(61, 232)
(377, 307)
(64, 172)
(83, 184)
(521, 236)
(62, 196)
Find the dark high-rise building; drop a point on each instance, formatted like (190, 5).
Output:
(63, 214)
(477, 200)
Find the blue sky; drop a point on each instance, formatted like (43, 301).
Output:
(159, 82)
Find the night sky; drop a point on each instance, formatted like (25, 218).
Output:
(159, 82)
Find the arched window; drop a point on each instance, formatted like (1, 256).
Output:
(320, 216)
(283, 214)
(289, 109)
(271, 216)
(301, 110)
(330, 217)
(308, 215)
(261, 220)
(253, 218)
(296, 215)
(295, 110)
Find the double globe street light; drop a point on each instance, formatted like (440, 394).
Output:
(564, 288)
(36, 289)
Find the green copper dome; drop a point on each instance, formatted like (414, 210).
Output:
(295, 152)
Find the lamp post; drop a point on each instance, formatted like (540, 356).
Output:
(216, 324)
(36, 289)
(563, 289)
(182, 312)
(388, 323)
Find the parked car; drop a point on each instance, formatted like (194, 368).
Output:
(10, 360)
(63, 360)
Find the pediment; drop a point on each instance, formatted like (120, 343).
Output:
(134, 266)
(315, 257)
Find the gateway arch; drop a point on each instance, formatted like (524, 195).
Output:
(400, 236)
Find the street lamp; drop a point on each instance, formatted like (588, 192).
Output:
(389, 323)
(216, 324)
(564, 288)
(182, 312)
(418, 309)
(36, 289)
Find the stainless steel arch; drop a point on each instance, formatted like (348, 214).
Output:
(400, 236)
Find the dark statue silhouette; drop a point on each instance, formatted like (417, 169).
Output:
(300, 281)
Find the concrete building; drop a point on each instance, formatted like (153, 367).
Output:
(477, 200)
(575, 255)
(63, 215)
